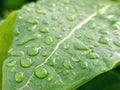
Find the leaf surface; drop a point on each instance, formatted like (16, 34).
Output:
(60, 45)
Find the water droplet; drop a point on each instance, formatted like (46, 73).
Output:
(59, 36)
(117, 43)
(45, 22)
(41, 72)
(75, 58)
(103, 32)
(65, 1)
(26, 62)
(11, 63)
(70, 18)
(16, 53)
(33, 51)
(13, 69)
(78, 35)
(60, 21)
(84, 65)
(28, 38)
(67, 46)
(67, 64)
(54, 17)
(41, 12)
(103, 40)
(50, 78)
(48, 40)
(65, 72)
(44, 30)
(32, 21)
(80, 46)
(89, 36)
(44, 53)
(103, 70)
(19, 77)
(96, 45)
(51, 62)
(92, 55)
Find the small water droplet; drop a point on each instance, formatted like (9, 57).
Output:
(11, 63)
(41, 12)
(70, 18)
(80, 46)
(16, 53)
(103, 70)
(60, 21)
(65, 72)
(75, 58)
(65, 1)
(48, 40)
(103, 32)
(117, 43)
(92, 55)
(52, 62)
(44, 53)
(89, 36)
(67, 64)
(19, 77)
(32, 21)
(13, 69)
(44, 30)
(26, 62)
(103, 40)
(96, 45)
(50, 78)
(45, 22)
(28, 38)
(59, 36)
(84, 65)
(41, 72)
(67, 46)
(78, 35)
(33, 51)
(54, 17)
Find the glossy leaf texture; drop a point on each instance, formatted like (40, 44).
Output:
(6, 37)
(61, 45)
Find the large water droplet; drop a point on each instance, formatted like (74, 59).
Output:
(44, 30)
(48, 40)
(41, 72)
(117, 43)
(67, 64)
(26, 62)
(103, 40)
(11, 63)
(16, 53)
(75, 58)
(28, 38)
(92, 55)
(33, 51)
(80, 46)
(19, 77)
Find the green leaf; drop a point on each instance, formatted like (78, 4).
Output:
(106, 81)
(62, 44)
(6, 37)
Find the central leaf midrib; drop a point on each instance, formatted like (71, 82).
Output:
(67, 37)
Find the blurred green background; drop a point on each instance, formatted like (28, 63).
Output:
(6, 6)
